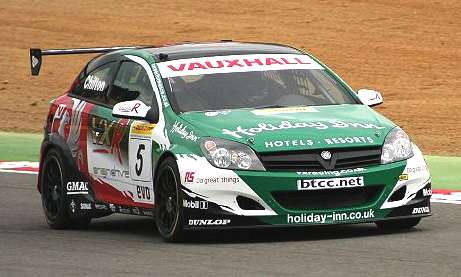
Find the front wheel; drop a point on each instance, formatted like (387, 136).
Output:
(398, 224)
(168, 202)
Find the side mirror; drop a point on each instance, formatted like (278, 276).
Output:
(135, 110)
(370, 97)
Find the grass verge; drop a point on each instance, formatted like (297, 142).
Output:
(445, 171)
(19, 147)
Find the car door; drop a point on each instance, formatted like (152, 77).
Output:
(133, 136)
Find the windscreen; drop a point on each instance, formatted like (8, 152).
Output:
(250, 81)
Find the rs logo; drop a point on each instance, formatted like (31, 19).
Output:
(143, 192)
(189, 178)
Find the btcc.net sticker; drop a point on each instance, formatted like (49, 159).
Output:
(316, 184)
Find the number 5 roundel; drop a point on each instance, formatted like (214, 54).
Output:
(140, 151)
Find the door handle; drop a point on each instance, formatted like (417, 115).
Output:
(98, 129)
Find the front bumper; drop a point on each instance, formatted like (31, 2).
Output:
(218, 198)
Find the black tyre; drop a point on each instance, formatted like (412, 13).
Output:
(168, 202)
(53, 180)
(398, 224)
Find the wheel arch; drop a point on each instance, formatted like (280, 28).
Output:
(54, 141)
(164, 156)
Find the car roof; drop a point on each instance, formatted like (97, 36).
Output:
(206, 49)
(187, 50)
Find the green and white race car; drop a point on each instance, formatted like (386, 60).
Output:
(224, 135)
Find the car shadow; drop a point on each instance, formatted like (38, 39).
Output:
(287, 234)
(124, 225)
(145, 227)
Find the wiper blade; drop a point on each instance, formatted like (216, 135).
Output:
(269, 106)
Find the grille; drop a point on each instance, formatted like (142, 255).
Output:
(310, 160)
(327, 199)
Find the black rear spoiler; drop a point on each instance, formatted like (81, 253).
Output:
(36, 54)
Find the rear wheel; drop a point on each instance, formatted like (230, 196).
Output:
(53, 179)
(168, 200)
(398, 224)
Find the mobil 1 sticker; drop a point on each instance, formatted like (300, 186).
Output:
(333, 183)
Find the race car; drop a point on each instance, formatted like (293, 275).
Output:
(223, 135)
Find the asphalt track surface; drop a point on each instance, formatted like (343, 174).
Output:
(129, 246)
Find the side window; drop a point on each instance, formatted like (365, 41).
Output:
(95, 84)
(131, 82)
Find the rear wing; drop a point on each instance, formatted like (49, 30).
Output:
(36, 54)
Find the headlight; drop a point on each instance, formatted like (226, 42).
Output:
(230, 155)
(397, 147)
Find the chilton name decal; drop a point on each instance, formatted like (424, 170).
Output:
(94, 83)
(236, 63)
